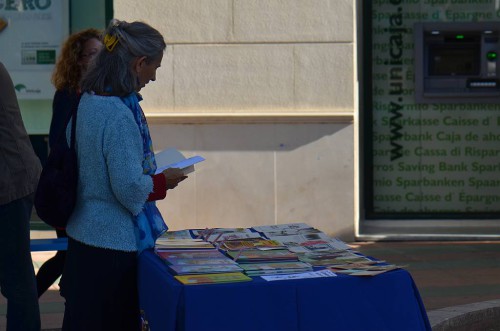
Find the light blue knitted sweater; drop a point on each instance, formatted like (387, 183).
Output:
(111, 185)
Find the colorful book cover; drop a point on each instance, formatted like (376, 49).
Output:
(275, 266)
(189, 254)
(183, 244)
(180, 234)
(249, 255)
(250, 243)
(200, 261)
(232, 277)
(203, 269)
(275, 272)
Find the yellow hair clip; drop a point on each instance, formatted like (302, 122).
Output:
(110, 42)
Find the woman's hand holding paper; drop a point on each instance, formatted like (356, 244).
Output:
(173, 177)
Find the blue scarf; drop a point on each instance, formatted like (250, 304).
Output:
(148, 224)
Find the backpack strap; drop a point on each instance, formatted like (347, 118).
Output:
(74, 113)
(73, 125)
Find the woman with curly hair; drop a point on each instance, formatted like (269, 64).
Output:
(76, 55)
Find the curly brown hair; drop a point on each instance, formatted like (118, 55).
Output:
(67, 73)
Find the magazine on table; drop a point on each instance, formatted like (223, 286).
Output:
(231, 277)
(200, 261)
(189, 253)
(327, 259)
(302, 275)
(257, 243)
(204, 269)
(182, 243)
(201, 233)
(256, 255)
(360, 269)
(216, 237)
(304, 243)
(288, 227)
(275, 267)
(179, 234)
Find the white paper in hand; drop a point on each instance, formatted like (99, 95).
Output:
(172, 158)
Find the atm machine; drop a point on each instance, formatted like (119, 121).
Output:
(457, 62)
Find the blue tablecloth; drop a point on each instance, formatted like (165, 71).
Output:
(389, 301)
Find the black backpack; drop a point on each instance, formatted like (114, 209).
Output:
(55, 196)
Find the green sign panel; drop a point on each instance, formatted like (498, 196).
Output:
(428, 158)
(46, 56)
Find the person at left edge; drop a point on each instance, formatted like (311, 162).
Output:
(19, 172)
(77, 52)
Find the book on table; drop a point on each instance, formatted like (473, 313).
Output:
(285, 229)
(258, 243)
(182, 244)
(362, 269)
(256, 255)
(272, 268)
(216, 237)
(301, 237)
(301, 275)
(179, 234)
(333, 258)
(182, 262)
(221, 234)
(189, 254)
(204, 269)
(231, 277)
(200, 261)
(312, 242)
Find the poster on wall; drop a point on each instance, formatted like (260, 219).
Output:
(429, 158)
(31, 33)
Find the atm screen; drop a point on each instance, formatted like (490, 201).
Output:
(453, 60)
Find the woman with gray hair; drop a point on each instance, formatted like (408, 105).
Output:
(115, 217)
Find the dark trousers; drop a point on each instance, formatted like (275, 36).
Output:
(51, 269)
(17, 276)
(100, 288)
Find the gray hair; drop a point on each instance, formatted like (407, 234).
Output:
(112, 72)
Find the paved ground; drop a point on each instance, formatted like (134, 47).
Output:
(446, 273)
(51, 303)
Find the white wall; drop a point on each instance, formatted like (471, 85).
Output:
(265, 90)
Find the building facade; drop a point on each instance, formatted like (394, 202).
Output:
(306, 111)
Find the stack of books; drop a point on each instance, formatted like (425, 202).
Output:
(195, 260)
(286, 229)
(218, 255)
(182, 244)
(302, 238)
(217, 235)
(258, 262)
(355, 269)
(173, 256)
(184, 262)
(275, 268)
(232, 277)
(326, 259)
(179, 234)
(257, 255)
(253, 243)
